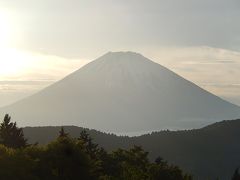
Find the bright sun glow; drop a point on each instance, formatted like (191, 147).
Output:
(21, 65)
(11, 61)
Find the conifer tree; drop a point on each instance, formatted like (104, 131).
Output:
(91, 148)
(62, 133)
(10, 135)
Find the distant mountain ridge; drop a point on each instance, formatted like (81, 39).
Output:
(206, 153)
(122, 92)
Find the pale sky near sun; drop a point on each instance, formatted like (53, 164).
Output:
(43, 41)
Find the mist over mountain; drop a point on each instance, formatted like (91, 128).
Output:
(122, 92)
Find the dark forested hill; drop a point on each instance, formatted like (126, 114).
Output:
(210, 152)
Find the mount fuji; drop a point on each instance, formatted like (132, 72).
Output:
(122, 92)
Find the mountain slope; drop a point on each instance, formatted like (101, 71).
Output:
(122, 92)
(206, 153)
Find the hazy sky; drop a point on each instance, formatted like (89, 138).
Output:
(41, 41)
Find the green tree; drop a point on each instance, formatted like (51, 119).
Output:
(166, 172)
(129, 164)
(11, 135)
(95, 153)
(133, 164)
(65, 159)
(15, 164)
(162, 170)
(91, 147)
(62, 133)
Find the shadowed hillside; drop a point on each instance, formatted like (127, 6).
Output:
(212, 151)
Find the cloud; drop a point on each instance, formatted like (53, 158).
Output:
(214, 69)
(33, 67)
(85, 29)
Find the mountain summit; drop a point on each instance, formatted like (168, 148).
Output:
(122, 92)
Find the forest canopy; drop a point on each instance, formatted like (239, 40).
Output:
(69, 158)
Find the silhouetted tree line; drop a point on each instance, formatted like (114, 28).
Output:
(69, 158)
